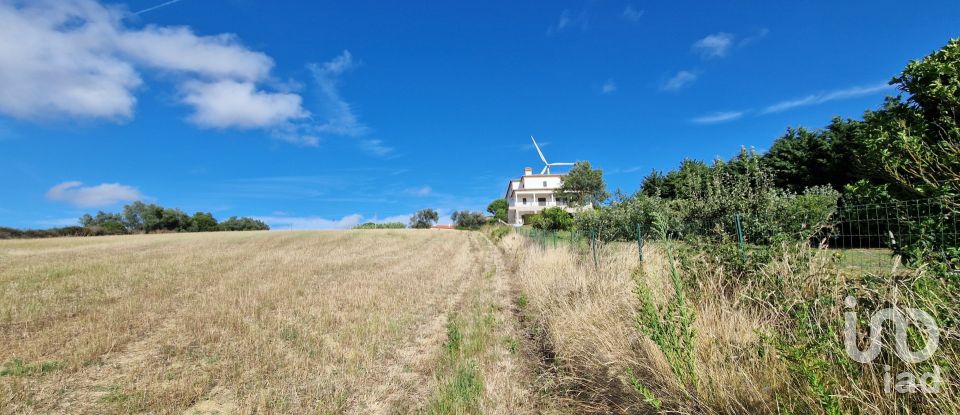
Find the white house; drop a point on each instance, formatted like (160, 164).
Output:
(532, 193)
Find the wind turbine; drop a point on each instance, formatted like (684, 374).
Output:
(546, 164)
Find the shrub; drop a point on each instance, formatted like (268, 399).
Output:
(554, 219)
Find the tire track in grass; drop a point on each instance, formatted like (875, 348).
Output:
(481, 370)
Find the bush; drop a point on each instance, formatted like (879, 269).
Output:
(554, 219)
(497, 232)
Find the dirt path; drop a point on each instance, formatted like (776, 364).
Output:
(485, 306)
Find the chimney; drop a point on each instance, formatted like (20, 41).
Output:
(527, 171)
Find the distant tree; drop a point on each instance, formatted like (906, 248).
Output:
(583, 186)
(141, 217)
(655, 184)
(468, 220)
(243, 224)
(554, 219)
(203, 222)
(690, 180)
(424, 219)
(498, 208)
(174, 220)
(800, 159)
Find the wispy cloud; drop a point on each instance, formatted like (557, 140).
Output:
(632, 14)
(679, 81)
(718, 117)
(568, 20)
(824, 97)
(377, 147)
(59, 222)
(340, 118)
(716, 45)
(161, 5)
(339, 114)
(759, 34)
(608, 87)
(102, 195)
(419, 191)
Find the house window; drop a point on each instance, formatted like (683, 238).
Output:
(544, 183)
(542, 201)
(524, 200)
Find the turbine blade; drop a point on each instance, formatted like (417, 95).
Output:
(563, 164)
(538, 150)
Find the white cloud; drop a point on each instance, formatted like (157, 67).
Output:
(234, 104)
(179, 49)
(78, 59)
(420, 191)
(608, 87)
(823, 97)
(678, 81)
(56, 59)
(632, 14)
(718, 117)
(102, 195)
(311, 222)
(714, 46)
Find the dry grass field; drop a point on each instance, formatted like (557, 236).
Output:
(259, 322)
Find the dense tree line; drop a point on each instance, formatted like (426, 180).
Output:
(139, 217)
(909, 148)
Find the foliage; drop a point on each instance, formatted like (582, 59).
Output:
(468, 220)
(424, 219)
(243, 224)
(554, 219)
(917, 140)
(388, 225)
(203, 222)
(709, 199)
(669, 326)
(497, 232)
(583, 186)
(498, 208)
(10, 233)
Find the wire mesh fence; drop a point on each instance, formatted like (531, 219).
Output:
(864, 237)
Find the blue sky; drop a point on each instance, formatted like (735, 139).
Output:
(333, 113)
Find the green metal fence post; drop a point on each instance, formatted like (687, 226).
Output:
(743, 251)
(593, 250)
(639, 243)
